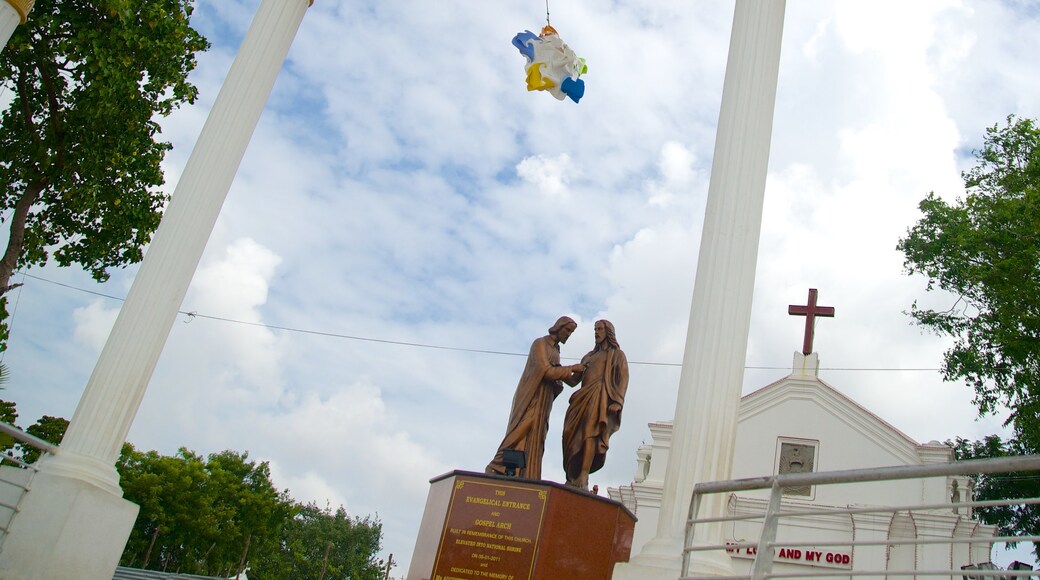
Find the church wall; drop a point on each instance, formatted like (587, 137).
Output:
(840, 445)
(810, 416)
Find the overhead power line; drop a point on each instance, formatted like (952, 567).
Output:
(194, 314)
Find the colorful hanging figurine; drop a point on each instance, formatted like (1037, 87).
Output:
(551, 65)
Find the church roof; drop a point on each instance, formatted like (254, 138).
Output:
(804, 383)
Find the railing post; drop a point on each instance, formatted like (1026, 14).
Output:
(695, 508)
(764, 556)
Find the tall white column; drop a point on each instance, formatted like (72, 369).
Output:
(117, 385)
(75, 509)
(704, 431)
(12, 13)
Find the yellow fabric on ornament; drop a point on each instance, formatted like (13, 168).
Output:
(535, 80)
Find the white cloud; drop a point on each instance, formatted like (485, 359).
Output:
(93, 324)
(677, 163)
(550, 175)
(678, 168)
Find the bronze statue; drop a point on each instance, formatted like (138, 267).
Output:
(594, 413)
(538, 388)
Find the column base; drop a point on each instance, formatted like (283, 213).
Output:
(637, 571)
(660, 559)
(67, 528)
(90, 470)
(716, 563)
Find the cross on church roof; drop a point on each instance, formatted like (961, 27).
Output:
(810, 311)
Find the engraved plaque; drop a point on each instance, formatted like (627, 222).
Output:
(795, 458)
(492, 530)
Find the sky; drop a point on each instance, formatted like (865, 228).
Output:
(408, 218)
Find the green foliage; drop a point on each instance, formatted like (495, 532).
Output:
(8, 414)
(215, 515)
(50, 429)
(79, 159)
(985, 250)
(1010, 520)
(320, 543)
(210, 516)
(5, 331)
(199, 516)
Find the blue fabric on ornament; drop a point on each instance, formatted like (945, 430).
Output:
(575, 89)
(522, 42)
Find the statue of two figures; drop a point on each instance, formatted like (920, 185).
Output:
(594, 412)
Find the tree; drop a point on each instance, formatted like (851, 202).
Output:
(320, 543)
(8, 414)
(221, 514)
(985, 250)
(199, 516)
(1010, 520)
(79, 158)
(50, 429)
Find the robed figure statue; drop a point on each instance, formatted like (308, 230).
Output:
(594, 413)
(539, 386)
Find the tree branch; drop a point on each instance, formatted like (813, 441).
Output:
(17, 233)
(47, 77)
(23, 90)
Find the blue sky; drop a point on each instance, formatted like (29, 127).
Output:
(404, 186)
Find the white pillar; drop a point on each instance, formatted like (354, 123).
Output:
(115, 389)
(12, 13)
(705, 424)
(86, 459)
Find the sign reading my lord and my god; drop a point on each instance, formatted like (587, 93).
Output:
(807, 556)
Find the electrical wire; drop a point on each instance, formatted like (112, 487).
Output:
(192, 315)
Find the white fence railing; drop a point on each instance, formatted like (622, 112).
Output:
(16, 476)
(764, 548)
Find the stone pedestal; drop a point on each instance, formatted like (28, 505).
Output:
(806, 365)
(485, 526)
(67, 529)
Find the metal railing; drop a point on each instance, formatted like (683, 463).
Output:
(762, 567)
(16, 476)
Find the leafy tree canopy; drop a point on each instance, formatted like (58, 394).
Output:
(200, 515)
(8, 414)
(79, 155)
(221, 514)
(320, 543)
(50, 429)
(985, 250)
(1010, 520)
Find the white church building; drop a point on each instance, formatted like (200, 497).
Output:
(800, 424)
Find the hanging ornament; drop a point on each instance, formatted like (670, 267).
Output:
(551, 65)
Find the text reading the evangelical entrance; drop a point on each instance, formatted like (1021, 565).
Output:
(492, 531)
